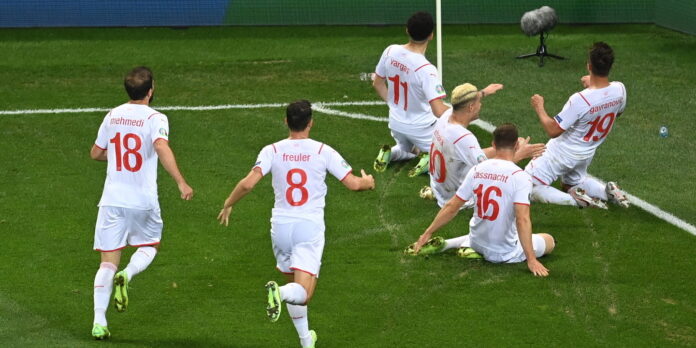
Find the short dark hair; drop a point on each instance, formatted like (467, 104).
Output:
(420, 26)
(298, 114)
(505, 136)
(601, 58)
(138, 82)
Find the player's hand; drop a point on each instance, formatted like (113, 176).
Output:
(585, 81)
(492, 88)
(224, 216)
(186, 191)
(537, 268)
(528, 150)
(537, 102)
(368, 178)
(420, 242)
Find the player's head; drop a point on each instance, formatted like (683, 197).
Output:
(466, 97)
(505, 137)
(298, 115)
(420, 27)
(139, 83)
(600, 59)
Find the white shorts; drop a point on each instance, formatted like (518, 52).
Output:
(408, 141)
(298, 245)
(516, 255)
(547, 168)
(117, 227)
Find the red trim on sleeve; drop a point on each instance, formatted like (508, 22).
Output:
(274, 148)
(301, 270)
(99, 147)
(460, 138)
(142, 245)
(440, 97)
(259, 168)
(527, 204)
(517, 171)
(583, 98)
(378, 75)
(424, 65)
(539, 180)
(345, 176)
(158, 138)
(321, 148)
(156, 113)
(460, 198)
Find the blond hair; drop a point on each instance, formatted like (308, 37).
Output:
(463, 94)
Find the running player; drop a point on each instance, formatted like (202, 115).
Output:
(577, 131)
(298, 165)
(455, 150)
(131, 139)
(501, 227)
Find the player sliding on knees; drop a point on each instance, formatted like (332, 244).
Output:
(501, 228)
(131, 139)
(413, 91)
(298, 165)
(455, 150)
(577, 131)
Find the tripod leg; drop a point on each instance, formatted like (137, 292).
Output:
(554, 56)
(527, 55)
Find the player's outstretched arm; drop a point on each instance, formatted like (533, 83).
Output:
(443, 217)
(524, 229)
(243, 187)
(550, 126)
(359, 183)
(491, 89)
(166, 157)
(527, 150)
(380, 86)
(97, 153)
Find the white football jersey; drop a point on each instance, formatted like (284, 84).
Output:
(454, 151)
(587, 119)
(412, 84)
(496, 185)
(299, 167)
(128, 133)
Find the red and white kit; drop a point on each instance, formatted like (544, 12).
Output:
(454, 151)
(412, 84)
(587, 119)
(498, 185)
(298, 168)
(129, 212)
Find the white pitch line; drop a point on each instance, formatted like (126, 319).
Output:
(322, 108)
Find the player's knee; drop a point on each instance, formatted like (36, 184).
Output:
(549, 241)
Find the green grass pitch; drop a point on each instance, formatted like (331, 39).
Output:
(618, 277)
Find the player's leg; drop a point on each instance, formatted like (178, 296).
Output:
(586, 191)
(544, 170)
(404, 149)
(299, 312)
(422, 143)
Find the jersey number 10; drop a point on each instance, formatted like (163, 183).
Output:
(124, 159)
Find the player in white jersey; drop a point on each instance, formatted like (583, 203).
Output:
(455, 150)
(501, 227)
(298, 165)
(576, 132)
(412, 88)
(130, 139)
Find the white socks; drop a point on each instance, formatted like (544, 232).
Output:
(293, 293)
(103, 284)
(594, 189)
(549, 194)
(399, 154)
(298, 314)
(458, 242)
(140, 260)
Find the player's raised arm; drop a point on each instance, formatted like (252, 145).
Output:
(550, 126)
(359, 183)
(524, 229)
(243, 187)
(166, 157)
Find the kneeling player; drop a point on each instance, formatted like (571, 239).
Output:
(501, 227)
(298, 165)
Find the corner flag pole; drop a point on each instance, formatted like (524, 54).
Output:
(438, 21)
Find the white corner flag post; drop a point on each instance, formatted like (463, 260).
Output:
(438, 22)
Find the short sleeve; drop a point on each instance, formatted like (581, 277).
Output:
(159, 127)
(469, 150)
(623, 91)
(102, 137)
(381, 69)
(432, 87)
(465, 191)
(574, 108)
(523, 187)
(265, 159)
(336, 165)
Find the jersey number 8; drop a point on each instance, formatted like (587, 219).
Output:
(304, 194)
